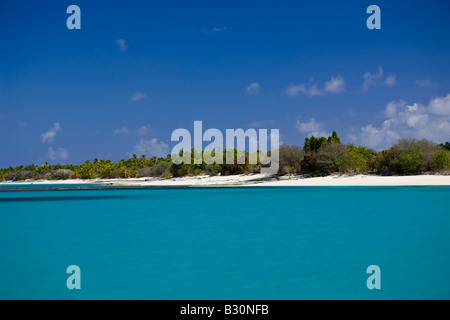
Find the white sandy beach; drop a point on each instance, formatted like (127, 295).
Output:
(263, 180)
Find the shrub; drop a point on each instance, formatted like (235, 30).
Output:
(145, 172)
(290, 159)
(358, 159)
(161, 168)
(20, 175)
(410, 156)
(213, 169)
(62, 174)
(330, 158)
(168, 175)
(198, 172)
(440, 160)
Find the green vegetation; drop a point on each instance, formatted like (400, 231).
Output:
(445, 146)
(318, 157)
(313, 144)
(290, 159)
(413, 157)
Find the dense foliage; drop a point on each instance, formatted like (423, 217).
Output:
(413, 157)
(318, 157)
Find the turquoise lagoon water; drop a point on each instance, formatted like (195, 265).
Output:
(225, 243)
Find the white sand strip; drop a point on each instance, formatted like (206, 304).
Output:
(262, 180)
(365, 180)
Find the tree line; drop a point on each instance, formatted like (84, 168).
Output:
(318, 157)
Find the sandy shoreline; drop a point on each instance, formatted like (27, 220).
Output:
(261, 180)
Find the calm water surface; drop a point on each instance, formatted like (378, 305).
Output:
(225, 243)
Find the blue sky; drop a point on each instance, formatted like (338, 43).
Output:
(137, 70)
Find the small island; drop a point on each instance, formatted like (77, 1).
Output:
(321, 161)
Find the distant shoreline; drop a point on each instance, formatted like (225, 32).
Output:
(259, 180)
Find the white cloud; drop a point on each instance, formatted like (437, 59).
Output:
(426, 83)
(122, 45)
(371, 78)
(311, 128)
(334, 85)
(50, 135)
(375, 138)
(150, 147)
(315, 91)
(309, 90)
(22, 123)
(138, 96)
(311, 125)
(58, 154)
(294, 90)
(142, 131)
(123, 130)
(392, 107)
(213, 29)
(375, 79)
(253, 89)
(391, 80)
(431, 122)
(440, 106)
